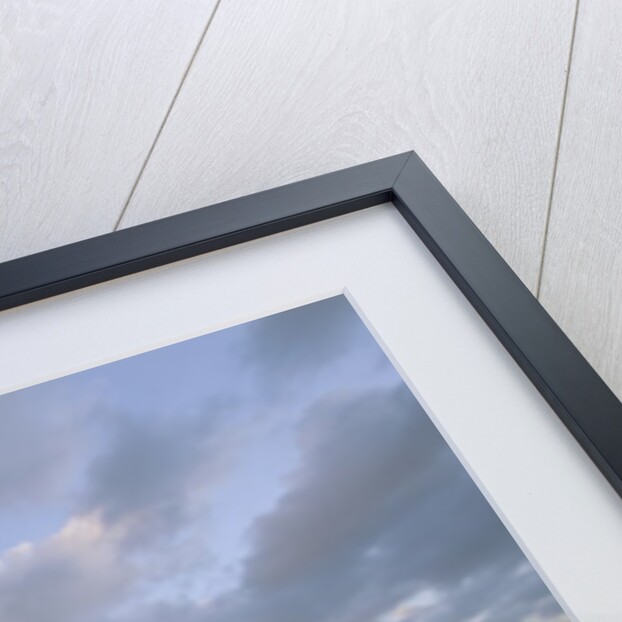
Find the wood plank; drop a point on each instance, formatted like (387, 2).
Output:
(84, 87)
(582, 276)
(282, 91)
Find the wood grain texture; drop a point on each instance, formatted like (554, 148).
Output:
(282, 91)
(84, 87)
(582, 275)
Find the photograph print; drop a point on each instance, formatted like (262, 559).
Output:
(275, 471)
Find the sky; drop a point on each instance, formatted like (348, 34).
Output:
(276, 471)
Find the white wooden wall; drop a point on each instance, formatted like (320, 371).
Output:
(114, 113)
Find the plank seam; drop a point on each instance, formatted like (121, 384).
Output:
(166, 116)
(547, 218)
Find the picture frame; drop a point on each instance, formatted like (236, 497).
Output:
(580, 398)
(554, 481)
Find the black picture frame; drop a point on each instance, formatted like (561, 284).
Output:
(572, 388)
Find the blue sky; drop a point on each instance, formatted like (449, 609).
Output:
(277, 471)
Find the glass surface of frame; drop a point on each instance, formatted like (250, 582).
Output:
(554, 503)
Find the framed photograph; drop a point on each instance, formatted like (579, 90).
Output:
(327, 402)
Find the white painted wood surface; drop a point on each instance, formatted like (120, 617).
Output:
(282, 91)
(84, 87)
(582, 275)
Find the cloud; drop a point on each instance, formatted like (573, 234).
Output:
(379, 513)
(136, 531)
(156, 469)
(167, 612)
(67, 578)
(40, 440)
(419, 603)
(303, 340)
(376, 520)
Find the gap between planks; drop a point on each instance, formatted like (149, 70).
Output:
(547, 218)
(167, 114)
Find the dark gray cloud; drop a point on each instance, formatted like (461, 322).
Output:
(153, 465)
(303, 340)
(36, 452)
(380, 510)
